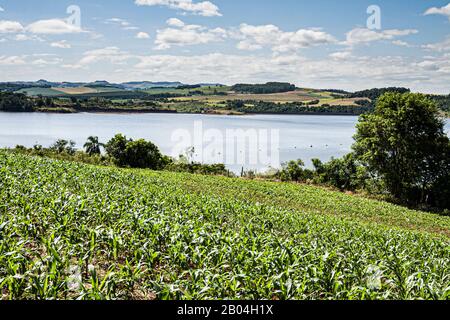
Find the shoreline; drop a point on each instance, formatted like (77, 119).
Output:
(130, 112)
(138, 111)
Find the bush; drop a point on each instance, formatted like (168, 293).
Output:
(135, 154)
(63, 146)
(344, 173)
(295, 171)
(143, 154)
(198, 168)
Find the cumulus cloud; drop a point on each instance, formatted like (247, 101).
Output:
(112, 55)
(122, 23)
(174, 22)
(341, 55)
(46, 62)
(204, 8)
(142, 35)
(181, 34)
(26, 37)
(10, 26)
(11, 61)
(63, 44)
(439, 46)
(439, 65)
(53, 26)
(364, 36)
(445, 11)
(401, 43)
(258, 37)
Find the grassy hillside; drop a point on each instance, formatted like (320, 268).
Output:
(85, 90)
(45, 92)
(69, 230)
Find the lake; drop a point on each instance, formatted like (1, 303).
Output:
(254, 142)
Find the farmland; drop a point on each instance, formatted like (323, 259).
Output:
(46, 92)
(73, 231)
(85, 90)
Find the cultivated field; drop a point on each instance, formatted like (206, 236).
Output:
(75, 231)
(85, 90)
(301, 95)
(45, 92)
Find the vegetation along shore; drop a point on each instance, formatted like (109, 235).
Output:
(269, 98)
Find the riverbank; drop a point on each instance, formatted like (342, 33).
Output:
(211, 112)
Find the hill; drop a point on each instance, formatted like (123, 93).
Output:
(75, 231)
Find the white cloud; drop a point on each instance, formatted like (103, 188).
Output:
(341, 55)
(112, 55)
(401, 43)
(118, 21)
(11, 61)
(53, 26)
(122, 23)
(203, 8)
(10, 26)
(186, 35)
(63, 44)
(445, 11)
(362, 35)
(46, 62)
(22, 37)
(174, 22)
(439, 46)
(1, 9)
(438, 65)
(257, 37)
(142, 35)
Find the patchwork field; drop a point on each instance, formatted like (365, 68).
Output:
(74, 231)
(210, 95)
(301, 95)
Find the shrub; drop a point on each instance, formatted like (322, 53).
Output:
(135, 154)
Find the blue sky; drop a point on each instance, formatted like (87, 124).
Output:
(320, 44)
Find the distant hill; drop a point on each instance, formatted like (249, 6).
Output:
(99, 83)
(143, 85)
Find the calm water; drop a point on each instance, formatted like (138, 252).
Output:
(304, 137)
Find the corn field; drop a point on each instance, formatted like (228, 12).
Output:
(74, 231)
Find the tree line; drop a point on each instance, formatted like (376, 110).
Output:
(267, 88)
(255, 107)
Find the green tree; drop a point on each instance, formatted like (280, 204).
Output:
(61, 146)
(116, 149)
(403, 143)
(143, 154)
(93, 146)
(135, 154)
(295, 171)
(344, 173)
